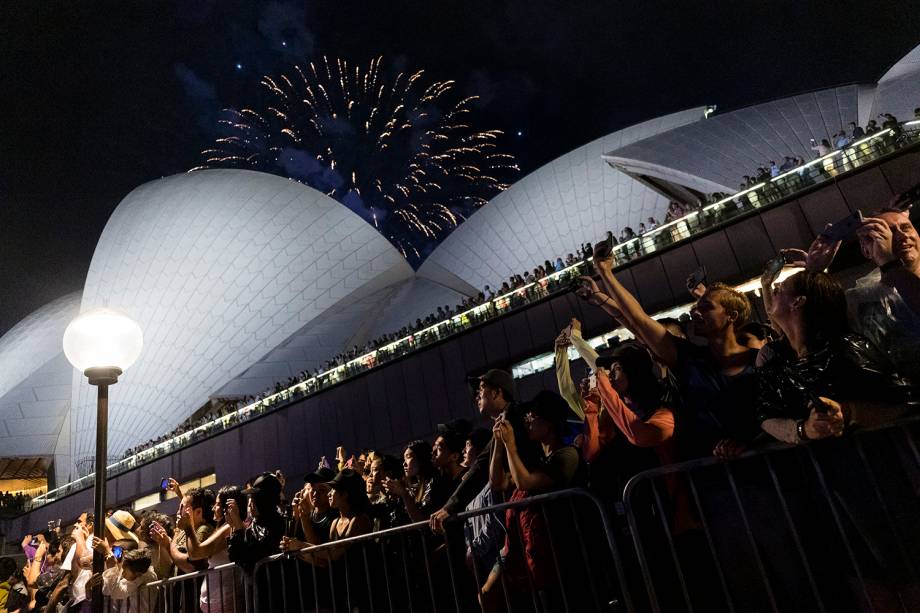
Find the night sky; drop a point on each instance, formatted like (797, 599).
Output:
(99, 97)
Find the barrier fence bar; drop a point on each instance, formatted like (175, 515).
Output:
(829, 526)
(551, 557)
(216, 590)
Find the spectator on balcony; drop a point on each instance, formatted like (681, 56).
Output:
(856, 132)
(652, 223)
(822, 377)
(788, 164)
(841, 140)
(570, 260)
(715, 380)
(872, 127)
(889, 121)
(774, 169)
(626, 234)
(822, 148)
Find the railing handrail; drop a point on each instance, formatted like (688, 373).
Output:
(340, 372)
(767, 449)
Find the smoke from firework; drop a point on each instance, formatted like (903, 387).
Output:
(398, 152)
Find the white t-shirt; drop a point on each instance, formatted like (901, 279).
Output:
(78, 587)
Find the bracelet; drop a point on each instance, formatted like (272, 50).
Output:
(800, 431)
(889, 266)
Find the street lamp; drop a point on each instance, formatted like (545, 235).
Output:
(102, 344)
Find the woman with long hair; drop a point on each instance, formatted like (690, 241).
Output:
(217, 590)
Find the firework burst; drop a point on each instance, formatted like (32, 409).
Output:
(399, 152)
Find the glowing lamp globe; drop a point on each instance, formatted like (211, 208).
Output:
(102, 344)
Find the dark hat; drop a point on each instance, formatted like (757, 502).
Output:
(459, 425)
(320, 475)
(265, 486)
(351, 483)
(500, 379)
(346, 480)
(550, 406)
(455, 433)
(480, 437)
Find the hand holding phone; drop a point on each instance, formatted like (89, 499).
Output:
(844, 228)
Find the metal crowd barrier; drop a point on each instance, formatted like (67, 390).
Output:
(558, 554)
(829, 526)
(217, 590)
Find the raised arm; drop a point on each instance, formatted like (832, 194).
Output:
(592, 444)
(523, 478)
(657, 429)
(498, 479)
(212, 545)
(567, 387)
(650, 332)
(585, 351)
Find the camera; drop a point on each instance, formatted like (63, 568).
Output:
(117, 552)
(164, 483)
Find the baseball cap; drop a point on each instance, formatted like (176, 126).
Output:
(500, 379)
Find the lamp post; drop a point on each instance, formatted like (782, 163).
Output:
(102, 344)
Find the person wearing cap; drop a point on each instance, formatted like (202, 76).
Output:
(249, 544)
(348, 497)
(528, 553)
(560, 465)
(632, 396)
(494, 399)
(311, 507)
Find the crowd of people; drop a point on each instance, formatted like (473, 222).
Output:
(12, 503)
(828, 361)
